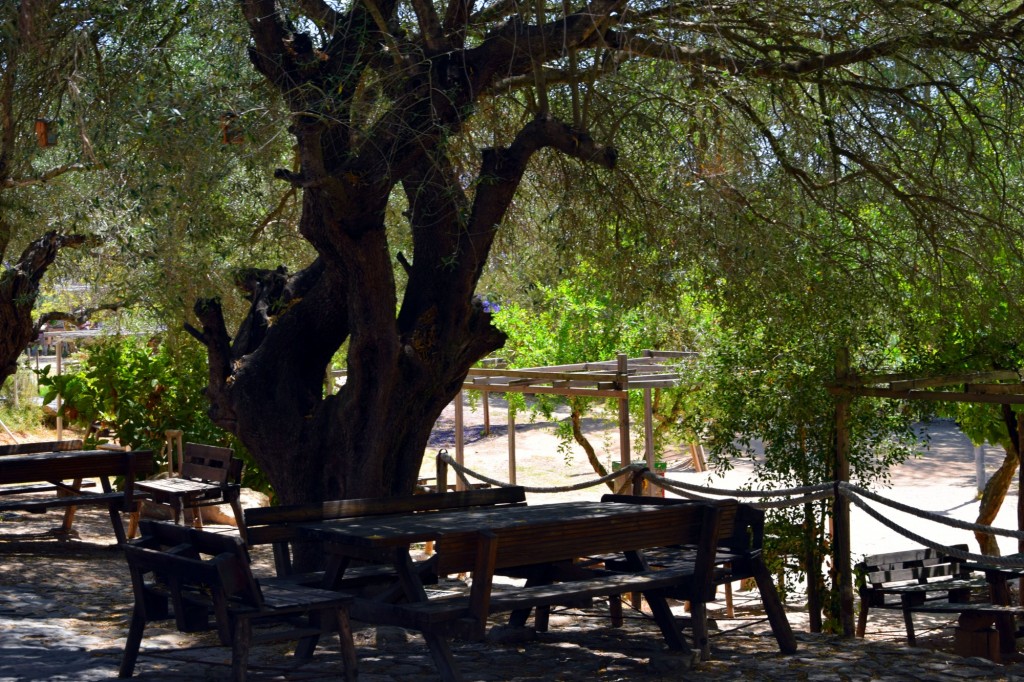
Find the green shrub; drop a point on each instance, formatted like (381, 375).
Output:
(140, 390)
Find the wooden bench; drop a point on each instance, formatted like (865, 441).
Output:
(914, 580)
(41, 446)
(27, 477)
(193, 576)
(555, 579)
(738, 556)
(206, 475)
(276, 526)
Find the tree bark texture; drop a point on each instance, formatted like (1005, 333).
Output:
(997, 486)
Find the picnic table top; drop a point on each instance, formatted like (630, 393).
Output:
(63, 465)
(403, 529)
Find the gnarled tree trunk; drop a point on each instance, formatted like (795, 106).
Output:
(995, 489)
(408, 359)
(19, 289)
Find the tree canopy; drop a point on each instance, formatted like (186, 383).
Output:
(846, 170)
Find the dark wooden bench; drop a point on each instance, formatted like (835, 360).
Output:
(41, 446)
(196, 576)
(914, 580)
(738, 556)
(556, 580)
(276, 526)
(43, 481)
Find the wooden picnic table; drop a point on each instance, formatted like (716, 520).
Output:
(38, 482)
(1000, 612)
(542, 540)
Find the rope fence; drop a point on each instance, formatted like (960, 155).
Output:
(796, 497)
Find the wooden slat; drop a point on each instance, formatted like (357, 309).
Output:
(71, 465)
(948, 396)
(544, 543)
(339, 509)
(41, 446)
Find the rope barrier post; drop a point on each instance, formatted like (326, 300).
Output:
(511, 446)
(460, 445)
(638, 481)
(622, 383)
(442, 472)
(840, 505)
(486, 404)
(1020, 498)
(649, 437)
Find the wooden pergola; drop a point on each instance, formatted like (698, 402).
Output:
(1004, 387)
(604, 379)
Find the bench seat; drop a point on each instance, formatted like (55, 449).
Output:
(40, 506)
(454, 613)
(203, 581)
(912, 581)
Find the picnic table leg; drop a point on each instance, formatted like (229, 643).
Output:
(908, 619)
(115, 520)
(134, 641)
(776, 612)
(518, 618)
(667, 622)
(412, 586)
(999, 593)
(348, 647)
(615, 610)
(69, 512)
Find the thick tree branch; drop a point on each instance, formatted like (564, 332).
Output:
(323, 14)
(52, 173)
(502, 170)
(1001, 28)
(430, 24)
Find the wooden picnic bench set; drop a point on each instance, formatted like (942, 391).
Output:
(925, 581)
(488, 533)
(38, 477)
(566, 554)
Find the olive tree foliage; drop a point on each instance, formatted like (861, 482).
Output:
(42, 52)
(398, 99)
(97, 74)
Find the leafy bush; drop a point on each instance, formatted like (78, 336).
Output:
(21, 411)
(140, 390)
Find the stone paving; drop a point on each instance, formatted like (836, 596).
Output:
(64, 610)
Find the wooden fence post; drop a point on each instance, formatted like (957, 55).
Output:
(459, 443)
(622, 383)
(442, 474)
(840, 505)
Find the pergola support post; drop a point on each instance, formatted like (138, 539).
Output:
(840, 505)
(460, 444)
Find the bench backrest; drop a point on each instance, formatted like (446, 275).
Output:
(210, 463)
(200, 570)
(274, 525)
(76, 464)
(543, 543)
(740, 530)
(41, 446)
(918, 565)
